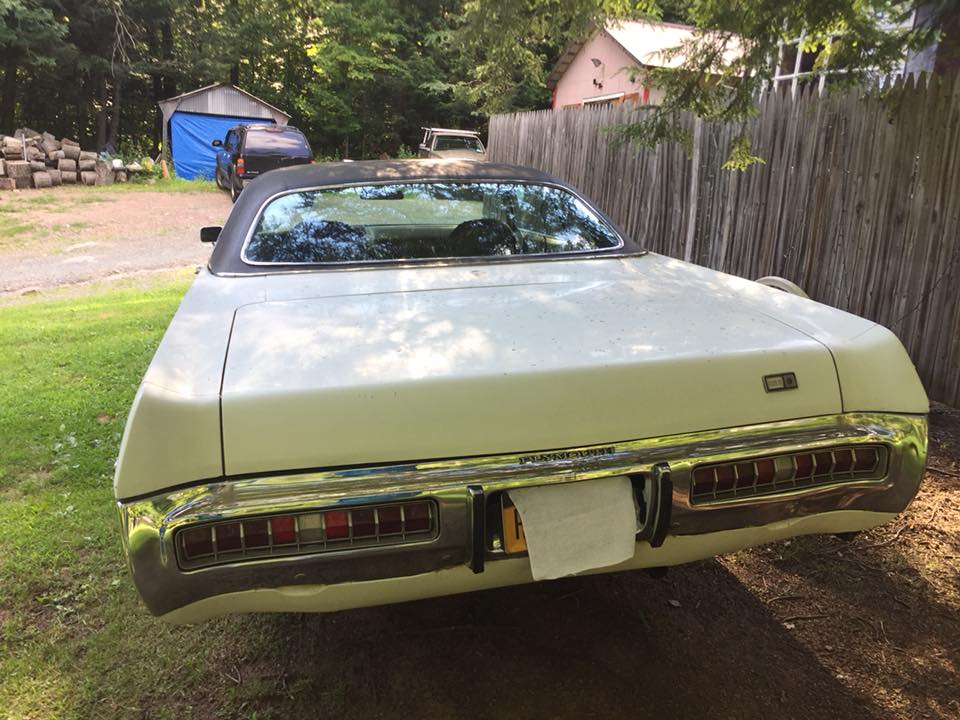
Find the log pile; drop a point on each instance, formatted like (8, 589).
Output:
(29, 159)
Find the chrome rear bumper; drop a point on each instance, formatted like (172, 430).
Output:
(461, 488)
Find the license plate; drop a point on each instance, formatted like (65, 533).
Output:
(514, 540)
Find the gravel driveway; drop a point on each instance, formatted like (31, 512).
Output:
(64, 236)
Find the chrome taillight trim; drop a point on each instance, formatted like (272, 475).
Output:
(787, 475)
(302, 546)
(150, 524)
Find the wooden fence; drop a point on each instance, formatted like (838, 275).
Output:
(858, 201)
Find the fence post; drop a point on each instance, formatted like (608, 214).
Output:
(694, 190)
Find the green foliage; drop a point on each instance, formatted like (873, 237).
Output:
(30, 29)
(506, 48)
(716, 75)
(740, 156)
(723, 67)
(361, 76)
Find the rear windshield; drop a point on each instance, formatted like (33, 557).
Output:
(281, 142)
(418, 221)
(457, 142)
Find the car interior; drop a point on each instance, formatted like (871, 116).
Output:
(380, 224)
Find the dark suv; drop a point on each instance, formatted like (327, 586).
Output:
(251, 150)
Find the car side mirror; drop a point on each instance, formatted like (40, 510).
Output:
(217, 143)
(210, 233)
(423, 146)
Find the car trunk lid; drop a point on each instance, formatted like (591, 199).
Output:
(440, 372)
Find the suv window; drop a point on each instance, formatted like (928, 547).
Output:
(230, 143)
(277, 141)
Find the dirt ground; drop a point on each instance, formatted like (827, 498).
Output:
(63, 236)
(816, 627)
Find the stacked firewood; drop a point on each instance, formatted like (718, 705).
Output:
(29, 159)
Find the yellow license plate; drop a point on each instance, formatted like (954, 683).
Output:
(514, 540)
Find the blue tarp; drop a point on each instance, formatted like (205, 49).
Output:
(190, 138)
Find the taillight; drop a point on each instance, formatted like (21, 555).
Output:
(255, 534)
(283, 529)
(865, 460)
(337, 524)
(241, 169)
(782, 473)
(391, 520)
(364, 523)
(416, 518)
(228, 537)
(198, 541)
(310, 528)
(306, 532)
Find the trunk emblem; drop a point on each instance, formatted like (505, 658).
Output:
(566, 455)
(780, 381)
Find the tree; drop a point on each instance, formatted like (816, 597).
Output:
(29, 39)
(506, 47)
(720, 69)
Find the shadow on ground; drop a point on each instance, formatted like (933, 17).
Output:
(607, 646)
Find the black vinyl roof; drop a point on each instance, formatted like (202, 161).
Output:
(226, 254)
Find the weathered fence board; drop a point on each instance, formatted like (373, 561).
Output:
(858, 201)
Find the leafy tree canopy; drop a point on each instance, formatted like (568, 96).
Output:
(361, 76)
(717, 73)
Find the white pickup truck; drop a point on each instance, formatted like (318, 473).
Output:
(449, 144)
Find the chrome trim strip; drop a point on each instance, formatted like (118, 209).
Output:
(598, 216)
(438, 263)
(149, 525)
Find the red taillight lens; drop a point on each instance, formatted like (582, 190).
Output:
(228, 537)
(283, 529)
(241, 166)
(786, 472)
(703, 481)
(765, 472)
(364, 524)
(724, 478)
(305, 533)
(843, 460)
(197, 542)
(745, 475)
(823, 463)
(338, 524)
(865, 460)
(391, 520)
(255, 534)
(416, 517)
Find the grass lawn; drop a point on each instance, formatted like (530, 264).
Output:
(74, 640)
(77, 644)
